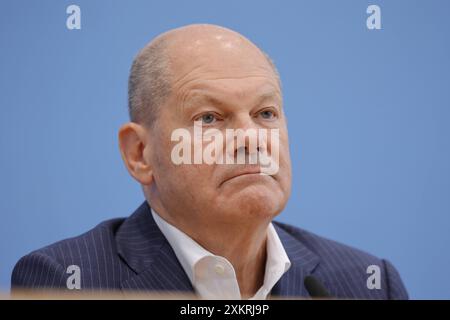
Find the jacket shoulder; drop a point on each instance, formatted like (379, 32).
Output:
(348, 270)
(323, 246)
(93, 252)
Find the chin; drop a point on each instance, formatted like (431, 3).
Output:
(255, 201)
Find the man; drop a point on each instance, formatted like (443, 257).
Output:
(207, 227)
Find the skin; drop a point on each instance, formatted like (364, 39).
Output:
(224, 208)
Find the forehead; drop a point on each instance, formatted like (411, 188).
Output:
(241, 78)
(223, 90)
(214, 59)
(231, 77)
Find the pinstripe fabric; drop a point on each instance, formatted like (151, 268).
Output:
(133, 254)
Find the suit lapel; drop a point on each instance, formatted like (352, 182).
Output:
(303, 263)
(147, 252)
(149, 255)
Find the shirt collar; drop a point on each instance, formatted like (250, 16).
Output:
(277, 261)
(189, 252)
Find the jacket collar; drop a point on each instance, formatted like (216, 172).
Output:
(147, 252)
(303, 263)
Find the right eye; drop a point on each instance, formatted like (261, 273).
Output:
(207, 118)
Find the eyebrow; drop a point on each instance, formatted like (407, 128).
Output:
(272, 94)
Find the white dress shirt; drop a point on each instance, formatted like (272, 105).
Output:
(212, 276)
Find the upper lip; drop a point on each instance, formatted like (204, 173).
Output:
(240, 172)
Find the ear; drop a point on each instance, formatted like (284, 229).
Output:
(134, 145)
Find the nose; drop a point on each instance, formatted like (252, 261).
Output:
(246, 140)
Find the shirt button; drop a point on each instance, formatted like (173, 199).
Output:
(219, 269)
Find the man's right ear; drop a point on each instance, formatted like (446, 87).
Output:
(133, 142)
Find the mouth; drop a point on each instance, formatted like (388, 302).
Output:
(248, 172)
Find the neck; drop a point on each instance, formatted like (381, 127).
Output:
(244, 248)
(243, 244)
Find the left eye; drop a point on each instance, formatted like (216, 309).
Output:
(267, 114)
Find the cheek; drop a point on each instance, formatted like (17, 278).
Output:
(189, 178)
(284, 154)
(284, 175)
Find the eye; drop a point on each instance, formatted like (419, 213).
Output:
(268, 114)
(207, 118)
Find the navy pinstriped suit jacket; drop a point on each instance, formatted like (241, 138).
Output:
(133, 254)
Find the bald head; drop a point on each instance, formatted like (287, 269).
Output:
(160, 67)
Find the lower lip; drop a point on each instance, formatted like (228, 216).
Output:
(247, 175)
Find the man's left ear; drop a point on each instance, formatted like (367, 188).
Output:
(133, 142)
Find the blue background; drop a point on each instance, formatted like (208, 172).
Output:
(368, 112)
